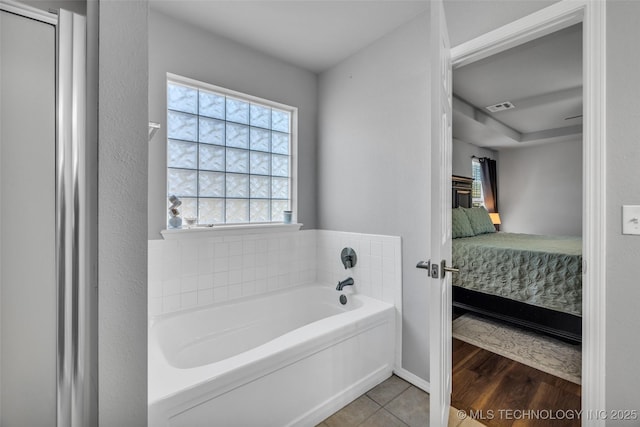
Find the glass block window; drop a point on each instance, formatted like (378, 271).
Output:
(228, 155)
(476, 189)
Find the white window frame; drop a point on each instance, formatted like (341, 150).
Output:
(293, 155)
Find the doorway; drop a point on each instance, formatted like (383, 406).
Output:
(527, 116)
(548, 20)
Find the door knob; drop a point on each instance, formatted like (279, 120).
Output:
(426, 265)
(445, 269)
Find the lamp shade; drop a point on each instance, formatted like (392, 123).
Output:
(495, 218)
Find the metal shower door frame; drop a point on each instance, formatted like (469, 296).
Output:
(76, 398)
(72, 251)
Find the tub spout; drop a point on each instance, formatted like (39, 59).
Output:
(345, 282)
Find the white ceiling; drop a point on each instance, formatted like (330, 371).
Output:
(311, 34)
(542, 78)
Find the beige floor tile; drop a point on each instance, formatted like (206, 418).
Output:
(354, 413)
(411, 406)
(382, 418)
(322, 424)
(386, 391)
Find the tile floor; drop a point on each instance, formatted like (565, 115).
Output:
(392, 403)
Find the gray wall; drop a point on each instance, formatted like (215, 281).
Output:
(540, 189)
(93, 52)
(373, 161)
(122, 215)
(461, 156)
(181, 49)
(623, 174)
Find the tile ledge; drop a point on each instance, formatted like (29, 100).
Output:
(225, 230)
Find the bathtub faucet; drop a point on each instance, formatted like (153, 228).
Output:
(345, 282)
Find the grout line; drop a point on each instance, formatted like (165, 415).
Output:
(388, 412)
(393, 398)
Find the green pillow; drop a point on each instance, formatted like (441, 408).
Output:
(460, 225)
(480, 220)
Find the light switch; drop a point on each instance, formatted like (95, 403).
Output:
(631, 219)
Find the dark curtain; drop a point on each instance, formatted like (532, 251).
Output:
(489, 183)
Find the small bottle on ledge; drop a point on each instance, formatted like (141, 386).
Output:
(175, 221)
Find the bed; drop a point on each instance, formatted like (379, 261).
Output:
(531, 280)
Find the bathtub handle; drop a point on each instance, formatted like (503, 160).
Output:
(349, 258)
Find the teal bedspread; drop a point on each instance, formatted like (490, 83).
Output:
(545, 271)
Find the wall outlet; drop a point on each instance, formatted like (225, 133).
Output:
(631, 219)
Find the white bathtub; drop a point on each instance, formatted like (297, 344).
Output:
(288, 358)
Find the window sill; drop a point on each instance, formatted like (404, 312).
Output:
(227, 230)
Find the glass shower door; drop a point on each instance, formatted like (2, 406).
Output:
(27, 221)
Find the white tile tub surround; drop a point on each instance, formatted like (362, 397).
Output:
(378, 271)
(190, 272)
(185, 273)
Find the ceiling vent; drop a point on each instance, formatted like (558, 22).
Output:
(501, 106)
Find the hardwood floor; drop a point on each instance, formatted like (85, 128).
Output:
(501, 392)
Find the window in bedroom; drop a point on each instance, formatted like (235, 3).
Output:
(477, 198)
(229, 155)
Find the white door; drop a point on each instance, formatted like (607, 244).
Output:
(440, 279)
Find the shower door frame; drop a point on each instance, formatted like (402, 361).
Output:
(75, 326)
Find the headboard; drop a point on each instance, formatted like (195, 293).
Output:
(461, 191)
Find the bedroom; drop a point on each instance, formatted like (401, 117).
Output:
(534, 135)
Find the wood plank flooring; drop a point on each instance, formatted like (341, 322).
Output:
(500, 392)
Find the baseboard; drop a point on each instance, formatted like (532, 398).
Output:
(413, 379)
(337, 402)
